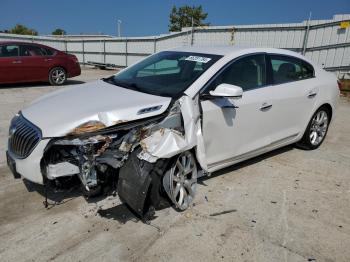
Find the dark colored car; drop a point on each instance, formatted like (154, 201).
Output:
(30, 62)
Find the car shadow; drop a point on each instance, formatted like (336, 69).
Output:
(39, 84)
(248, 162)
(55, 197)
(122, 213)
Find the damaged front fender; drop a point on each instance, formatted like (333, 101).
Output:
(168, 142)
(138, 180)
(139, 184)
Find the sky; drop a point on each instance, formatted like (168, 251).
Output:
(151, 17)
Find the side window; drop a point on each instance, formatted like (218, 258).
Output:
(31, 50)
(286, 69)
(47, 51)
(248, 73)
(9, 50)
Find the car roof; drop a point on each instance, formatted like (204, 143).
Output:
(24, 43)
(231, 50)
(213, 50)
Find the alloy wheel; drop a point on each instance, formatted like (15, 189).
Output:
(318, 127)
(183, 180)
(58, 76)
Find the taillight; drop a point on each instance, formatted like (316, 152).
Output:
(340, 85)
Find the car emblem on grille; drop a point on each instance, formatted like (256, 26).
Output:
(12, 131)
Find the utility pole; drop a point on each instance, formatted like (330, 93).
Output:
(119, 22)
(306, 34)
(192, 29)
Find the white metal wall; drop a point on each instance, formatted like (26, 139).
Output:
(327, 44)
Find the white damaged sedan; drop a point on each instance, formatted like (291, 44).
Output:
(155, 127)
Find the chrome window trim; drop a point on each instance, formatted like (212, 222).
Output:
(297, 58)
(267, 55)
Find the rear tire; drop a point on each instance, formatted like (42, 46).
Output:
(316, 130)
(57, 76)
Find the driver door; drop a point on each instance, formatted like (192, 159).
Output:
(236, 129)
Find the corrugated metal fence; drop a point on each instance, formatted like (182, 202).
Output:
(324, 41)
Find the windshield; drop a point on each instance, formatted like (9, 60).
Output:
(164, 74)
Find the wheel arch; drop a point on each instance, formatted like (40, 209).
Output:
(329, 108)
(58, 65)
(325, 105)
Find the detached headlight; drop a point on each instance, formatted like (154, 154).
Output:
(87, 127)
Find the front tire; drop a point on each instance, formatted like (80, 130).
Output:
(316, 130)
(57, 76)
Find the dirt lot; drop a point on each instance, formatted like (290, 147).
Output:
(288, 205)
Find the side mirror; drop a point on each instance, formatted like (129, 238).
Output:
(227, 90)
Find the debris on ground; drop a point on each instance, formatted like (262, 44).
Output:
(188, 215)
(223, 212)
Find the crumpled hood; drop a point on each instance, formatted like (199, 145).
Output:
(58, 113)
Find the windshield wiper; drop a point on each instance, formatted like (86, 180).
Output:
(113, 81)
(107, 79)
(127, 85)
(135, 86)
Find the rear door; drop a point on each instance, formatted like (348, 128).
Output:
(293, 93)
(10, 64)
(34, 64)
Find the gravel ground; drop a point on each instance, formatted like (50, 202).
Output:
(287, 205)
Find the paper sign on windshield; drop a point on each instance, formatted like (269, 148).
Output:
(199, 59)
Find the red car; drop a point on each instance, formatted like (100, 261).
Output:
(30, 62)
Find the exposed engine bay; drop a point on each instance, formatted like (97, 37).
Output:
(134, 155)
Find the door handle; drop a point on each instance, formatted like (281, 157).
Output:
(48, 59)
(17, 62)
(265, 107)
(311, 94)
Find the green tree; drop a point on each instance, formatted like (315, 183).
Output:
(59, 31)
(182, 17)
(22, 30)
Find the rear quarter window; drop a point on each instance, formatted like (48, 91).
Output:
(308, 70)
(48, 51)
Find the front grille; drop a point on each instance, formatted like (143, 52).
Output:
(23, 137)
